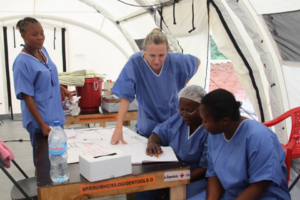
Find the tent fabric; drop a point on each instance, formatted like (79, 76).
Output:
(291, 71)
(102, 34)
(265, 59)
(255, 95)
(286, 35)
(277, 6)
(196, 42)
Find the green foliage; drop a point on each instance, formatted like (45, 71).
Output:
(215, 54)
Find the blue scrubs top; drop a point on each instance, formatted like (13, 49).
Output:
(192, 150)
(156, 94)
(31, 77)
(253, 154)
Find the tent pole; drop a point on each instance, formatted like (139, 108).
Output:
(10, 108)
(126, 19)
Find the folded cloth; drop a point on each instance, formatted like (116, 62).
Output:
(6, 154)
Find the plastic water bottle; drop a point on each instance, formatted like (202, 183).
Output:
(58, 155)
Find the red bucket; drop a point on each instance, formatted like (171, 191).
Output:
(90, 94)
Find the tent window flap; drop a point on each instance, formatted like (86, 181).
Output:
(285, 34)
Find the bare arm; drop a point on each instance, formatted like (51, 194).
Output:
(198, 173)
(65, 93)
(118, 133)
(254, 191)
(214, 190)
(31, 106)
(199, 62)
(153, 147)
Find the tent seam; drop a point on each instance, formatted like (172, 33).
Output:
(243, 58)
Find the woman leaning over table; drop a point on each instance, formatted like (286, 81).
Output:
(154, 76)
(36, 82)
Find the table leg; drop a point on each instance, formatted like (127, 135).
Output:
(126, 123)
(102, 124)
(178, 192)
(130, 196)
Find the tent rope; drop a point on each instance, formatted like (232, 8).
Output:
(14, 37)
(174, 20)
(192, 18)
(160, 12)
(54, 37)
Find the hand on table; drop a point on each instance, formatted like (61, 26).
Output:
(117, 136)
(153, 149)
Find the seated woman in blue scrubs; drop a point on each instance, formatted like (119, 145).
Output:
(188, 138)
(36, 82)
(245, 158)
(154, 76)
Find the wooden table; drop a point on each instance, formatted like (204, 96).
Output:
(102, 117)
(77, 187)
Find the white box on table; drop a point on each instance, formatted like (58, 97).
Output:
(106, 166)
(111, 103)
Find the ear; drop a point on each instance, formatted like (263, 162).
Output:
(23, 36)
(224, 121)
(143, 48)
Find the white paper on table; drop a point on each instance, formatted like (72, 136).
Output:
(168, 155)
(70, 133)
(73, 156)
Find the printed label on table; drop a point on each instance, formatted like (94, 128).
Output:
(178, 175)
(116, 185)
(94, 118)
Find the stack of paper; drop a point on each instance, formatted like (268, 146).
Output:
(69, 106)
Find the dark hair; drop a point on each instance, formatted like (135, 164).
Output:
(221, 103)
(21, 25)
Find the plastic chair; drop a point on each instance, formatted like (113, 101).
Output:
(292, 148)
(24, 189)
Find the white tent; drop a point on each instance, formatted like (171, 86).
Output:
(260, 37)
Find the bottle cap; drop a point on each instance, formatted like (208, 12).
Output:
(56, 123)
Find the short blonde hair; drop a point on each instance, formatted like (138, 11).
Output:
(156, 36)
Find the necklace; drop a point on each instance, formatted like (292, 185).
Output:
(44, 63)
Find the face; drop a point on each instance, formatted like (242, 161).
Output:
(209, 122)
(34, 36)
(188, 109)
(155, 55)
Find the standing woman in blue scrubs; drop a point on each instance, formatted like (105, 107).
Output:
(154, 77)
(36, 82)
(187, 137)
(245, 158)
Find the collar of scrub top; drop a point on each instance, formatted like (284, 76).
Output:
(44, 63)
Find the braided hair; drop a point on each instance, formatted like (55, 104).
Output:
(21, 25)
(221, 103)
